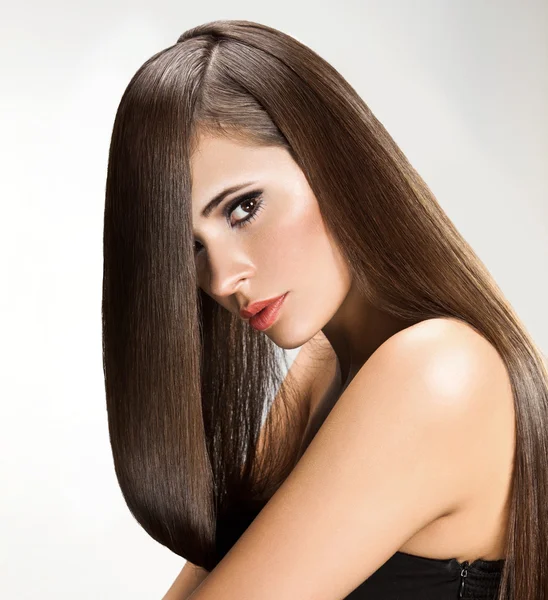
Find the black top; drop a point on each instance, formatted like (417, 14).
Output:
(403, 576)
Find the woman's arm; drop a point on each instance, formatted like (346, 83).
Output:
(385, 463)
(308, 372)
(190, 577)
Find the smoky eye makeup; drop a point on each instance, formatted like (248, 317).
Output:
(253, 199)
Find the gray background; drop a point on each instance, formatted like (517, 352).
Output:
(461, 86)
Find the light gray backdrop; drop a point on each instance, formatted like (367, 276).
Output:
(461, 86)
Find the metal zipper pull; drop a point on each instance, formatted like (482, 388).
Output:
(463, 575)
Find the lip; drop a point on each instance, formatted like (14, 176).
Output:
(253, 308)
(266, 317)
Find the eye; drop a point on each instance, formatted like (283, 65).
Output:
(251, 204)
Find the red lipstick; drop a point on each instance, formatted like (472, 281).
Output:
(255, 307)
(264, 317)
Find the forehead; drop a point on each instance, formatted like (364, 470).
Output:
(216, 158)
(219, 162)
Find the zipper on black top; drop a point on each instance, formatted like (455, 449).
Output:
(463, 575)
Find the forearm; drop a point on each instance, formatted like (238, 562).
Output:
(186, 582)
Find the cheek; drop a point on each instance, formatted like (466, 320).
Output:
(306, 229)
(294, 242)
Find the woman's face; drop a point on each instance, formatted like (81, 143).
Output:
(265, 239)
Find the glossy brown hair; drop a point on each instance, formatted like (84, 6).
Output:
(187, 382)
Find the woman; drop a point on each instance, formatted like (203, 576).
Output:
(403, 456)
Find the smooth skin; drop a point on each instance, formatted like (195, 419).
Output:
(393, 466)
(285, 247)
(190, 577)
(395, 455)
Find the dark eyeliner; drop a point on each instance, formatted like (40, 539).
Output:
(231, 206)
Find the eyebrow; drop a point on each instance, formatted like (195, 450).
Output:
(212, 204)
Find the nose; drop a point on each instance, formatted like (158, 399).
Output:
(227, 269)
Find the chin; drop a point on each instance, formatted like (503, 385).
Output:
(288, 336)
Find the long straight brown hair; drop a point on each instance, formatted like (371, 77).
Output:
(187, 382)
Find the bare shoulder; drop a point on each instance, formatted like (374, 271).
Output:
(455, 357)
(456, 376)
(386, 463)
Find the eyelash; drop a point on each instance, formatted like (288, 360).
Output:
(235, 204)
